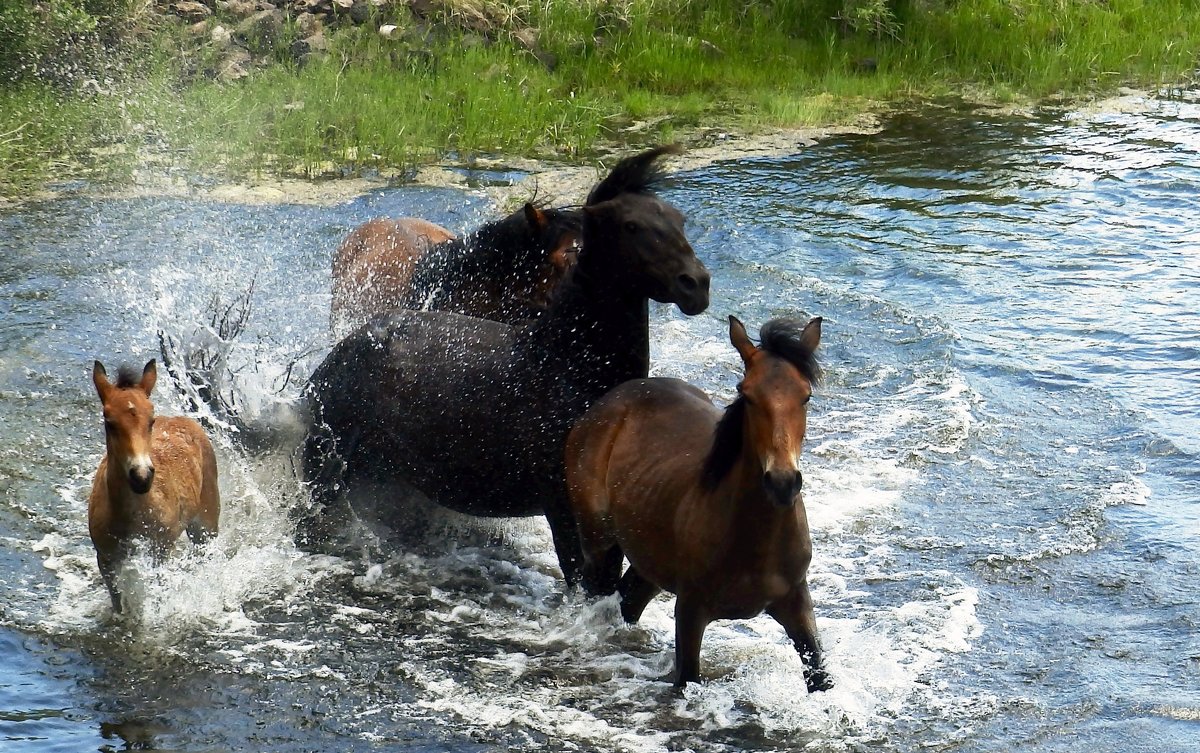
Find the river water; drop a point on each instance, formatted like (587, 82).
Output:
(1003, 472)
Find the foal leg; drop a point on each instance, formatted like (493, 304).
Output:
(109, 564)
(636, 593)
(795, 614)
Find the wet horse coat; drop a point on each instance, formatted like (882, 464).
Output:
(474, 413)
(504, 271)
(704, 504)
(158, 477)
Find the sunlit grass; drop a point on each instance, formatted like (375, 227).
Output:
(620, 70)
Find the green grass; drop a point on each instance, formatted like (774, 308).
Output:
(661, 69)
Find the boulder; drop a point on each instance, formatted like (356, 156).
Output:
(193, 11)
(234, 65)
(263, 29)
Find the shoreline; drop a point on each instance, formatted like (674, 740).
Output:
(554, 181)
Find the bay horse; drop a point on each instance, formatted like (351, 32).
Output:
(704, 504)
(503, 271)
(158, 477)
(474, 413)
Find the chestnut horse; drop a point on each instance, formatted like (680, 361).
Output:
(474, 413)
(704, 505)
(157, 479)
(503, 271)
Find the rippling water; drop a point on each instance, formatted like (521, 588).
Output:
(1002, 473)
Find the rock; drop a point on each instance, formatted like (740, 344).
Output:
(360, 11)
(190, 10)
(317, 42)
(307, 24)
(238, 8)
(389, 31)
(221, 37)
(235, 65)
(527, 38)
(263, 29)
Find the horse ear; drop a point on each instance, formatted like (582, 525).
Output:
(100, 379)
(810, 338)
(740, 340)
(535, 217)
(149, 377)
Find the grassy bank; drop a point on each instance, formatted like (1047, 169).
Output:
(467, 78)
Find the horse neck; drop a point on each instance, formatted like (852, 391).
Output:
(471, 259)
(600, 331)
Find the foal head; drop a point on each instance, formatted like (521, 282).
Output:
(128, 421)
(638, 234)
(769, 419)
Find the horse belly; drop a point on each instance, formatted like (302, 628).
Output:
(426, 398)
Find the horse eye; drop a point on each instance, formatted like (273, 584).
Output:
(631, 227)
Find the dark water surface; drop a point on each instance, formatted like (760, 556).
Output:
(1003, 473)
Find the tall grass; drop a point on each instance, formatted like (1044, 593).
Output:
(609, 70)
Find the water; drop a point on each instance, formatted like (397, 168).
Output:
(1003, 473)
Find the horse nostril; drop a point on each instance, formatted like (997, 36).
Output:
(688, 283)
(783, 485)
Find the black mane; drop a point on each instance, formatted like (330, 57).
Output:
(779, 337)
(128, 376)
(782, 337)
(500, 248)
(726, 446)
(636, 174)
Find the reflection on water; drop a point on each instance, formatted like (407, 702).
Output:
(1001, 472)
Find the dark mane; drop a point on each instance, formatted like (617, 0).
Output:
(782, 337)
(496, 249)
(128, 376)
(636, 174)
(726, 446)
(779, 337)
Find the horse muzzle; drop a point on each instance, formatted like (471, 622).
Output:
(140, 478)
(783, 487)
(690, 291)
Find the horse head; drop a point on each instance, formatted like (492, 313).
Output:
(774, 393)
(128, 422)
(639, 239)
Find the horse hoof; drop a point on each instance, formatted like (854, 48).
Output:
(818, 681)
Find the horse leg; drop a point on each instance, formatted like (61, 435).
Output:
(690, 622)
(795, 614)
(602, 571)
(564, 532)
(324, 469)
(109, 563)
(636, 593)
(202, 528)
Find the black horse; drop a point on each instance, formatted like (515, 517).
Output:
(475, 413)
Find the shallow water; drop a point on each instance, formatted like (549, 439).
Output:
(1002, 473)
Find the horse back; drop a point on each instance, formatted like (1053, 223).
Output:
(186, 466)
(372, 267)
